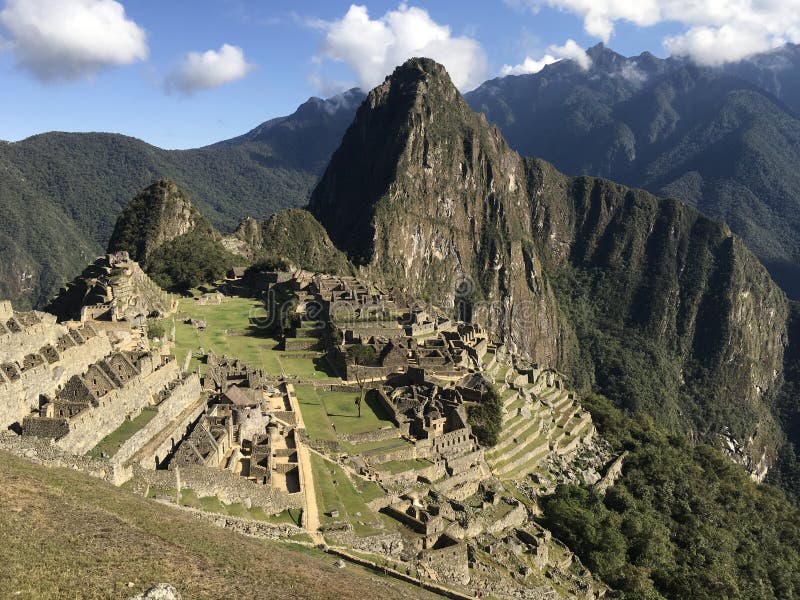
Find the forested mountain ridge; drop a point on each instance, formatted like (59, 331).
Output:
(82, 181)
(708, 136)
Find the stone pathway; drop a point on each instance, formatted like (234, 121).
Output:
(310, 509)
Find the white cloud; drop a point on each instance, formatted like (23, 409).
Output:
(717, 31)
(715, 46)
(374, 47)
(529, 65)
(210, 69)
(64, 40)
(631, 72)
(570, 50)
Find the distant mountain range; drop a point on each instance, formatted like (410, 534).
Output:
(726, 140)
(61, 193)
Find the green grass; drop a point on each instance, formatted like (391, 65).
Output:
(114, 440)
(290, 516)
(252, 346)
(68, 535)
(401, 466)
(318, 425)
(322, 410)
(335, 492)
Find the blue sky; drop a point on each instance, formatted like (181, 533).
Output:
(60, 73)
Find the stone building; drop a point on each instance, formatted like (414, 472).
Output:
(37, 356)
(91, 405)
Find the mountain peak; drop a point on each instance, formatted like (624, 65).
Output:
(158, 214)
(604, 57)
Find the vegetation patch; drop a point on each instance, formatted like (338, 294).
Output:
(109, 445)
(486, 417)
(683, 521)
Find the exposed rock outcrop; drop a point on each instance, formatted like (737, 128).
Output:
(424, 195)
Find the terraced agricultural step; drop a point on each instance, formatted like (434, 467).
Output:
(512, 411)
(527, 467)
(515, 452)
(561, 400)
(580, 427)
(510, 398)
(538, 387)
(512, 421)
(530, 455)
(522, 433)
(565, 417)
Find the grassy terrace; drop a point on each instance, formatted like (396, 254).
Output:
(114, 440)
(335, 491)
(327, 414)
(401, 466)
(250, 343)
(213, 504)
(68, 535)
(381, 445)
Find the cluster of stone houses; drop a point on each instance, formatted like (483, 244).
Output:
(248, 428)
(328, 313)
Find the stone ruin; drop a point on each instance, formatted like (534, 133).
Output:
(37, 355)
(330, 314)
(113, 288)
(248, 429)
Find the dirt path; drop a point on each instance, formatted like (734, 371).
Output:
(310, 509)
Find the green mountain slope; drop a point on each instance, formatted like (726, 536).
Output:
(83, 181)
(710, 137)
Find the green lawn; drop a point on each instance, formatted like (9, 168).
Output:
(335, 492)
(322, 409)
(114, 440)
(249, 342)
(318, 425)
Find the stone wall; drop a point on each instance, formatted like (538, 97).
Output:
(13, 346)
(230, 488)
(45, 452)
(187, 392)
(377, 435)
(90, 426)
(388, 544)
(453, 443)
(18, 398)
(382, 456)
(259, 529)
(451, 563)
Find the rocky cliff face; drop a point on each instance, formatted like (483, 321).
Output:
(423, 194)
(158, 214)
(659, 271)
(643, 299)
(721, 139)
(245, 240)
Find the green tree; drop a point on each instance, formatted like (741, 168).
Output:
(359, 357)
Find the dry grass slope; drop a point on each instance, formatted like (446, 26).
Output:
(66, 535)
